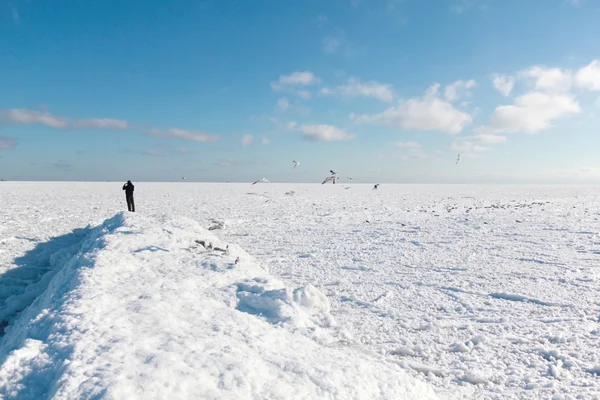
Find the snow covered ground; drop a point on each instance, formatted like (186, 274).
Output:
(480, 291)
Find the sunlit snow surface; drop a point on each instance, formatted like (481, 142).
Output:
(481, 291)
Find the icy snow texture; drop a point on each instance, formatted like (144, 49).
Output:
(486, 292)
(142, 311)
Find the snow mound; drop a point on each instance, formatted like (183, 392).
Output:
(304, 308)
(136, 308)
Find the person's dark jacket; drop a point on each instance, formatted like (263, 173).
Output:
(128, 188)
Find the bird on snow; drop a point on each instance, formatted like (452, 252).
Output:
(458, 159)
(265, 180)
(375, 186)
(224, 251)
(296, 163)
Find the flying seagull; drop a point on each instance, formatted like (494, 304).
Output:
(333, 172)
(265, 180)
(296, 163)
(330, 178)
(458, 159)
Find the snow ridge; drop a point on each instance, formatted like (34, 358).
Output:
(137, 308)
(21, 285)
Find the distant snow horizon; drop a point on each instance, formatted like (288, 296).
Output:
(342, 182)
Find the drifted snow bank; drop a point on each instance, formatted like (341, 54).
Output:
(142, 311)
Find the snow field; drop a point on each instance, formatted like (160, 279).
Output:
(484, 292)
(137, 308)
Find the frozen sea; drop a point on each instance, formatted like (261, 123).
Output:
(478, 292)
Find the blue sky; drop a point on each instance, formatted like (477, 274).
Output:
(378, 90)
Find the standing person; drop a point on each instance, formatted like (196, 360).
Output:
(128, 188)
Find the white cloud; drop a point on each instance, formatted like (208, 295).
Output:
(304, 78)
(556, 80)
(295, 82)
(355, 88)
(265, 140)
(458, 89)
(29, 117)
(193, 136)
(531, 113)
(101, 123)
(324, 133)
(503, 83)
(407, 145)
(588, 77)
(7, 143)
(23, 116)
(465, 146)
(430, 113)
(489, 138)
(298, 78)
(473, 145)
(282, 104)
(549, 79)
(247, 140)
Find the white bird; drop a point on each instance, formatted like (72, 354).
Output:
(330, 178)
(265, 180)
(458, 159)
(296, 163)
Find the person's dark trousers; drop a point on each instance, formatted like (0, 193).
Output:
(130, 204)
